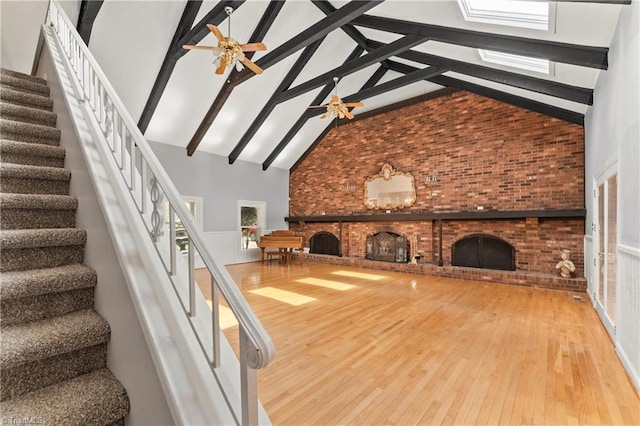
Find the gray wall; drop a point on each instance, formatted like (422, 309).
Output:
(612, 125)
(221, 185)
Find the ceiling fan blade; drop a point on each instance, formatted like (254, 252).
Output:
(317, 106)
(253, 67)
(190, 47)
(347, 114)
(354, 104)
(223, 65)
(216, 32)
(335, 99)
(253, 47)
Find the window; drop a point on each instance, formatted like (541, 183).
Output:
(513, 13)
(251, 219)
(537, 15)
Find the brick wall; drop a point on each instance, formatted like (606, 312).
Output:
(485, 153)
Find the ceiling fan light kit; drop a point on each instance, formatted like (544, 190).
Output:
(229, 51)
(336, 107)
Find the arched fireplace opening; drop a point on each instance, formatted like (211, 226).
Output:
(324, 242)
(484, 251)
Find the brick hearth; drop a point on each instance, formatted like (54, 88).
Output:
(527, 279)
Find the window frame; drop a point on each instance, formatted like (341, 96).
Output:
(492, 16)
(262, 219)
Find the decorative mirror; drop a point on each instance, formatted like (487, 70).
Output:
(389, 189)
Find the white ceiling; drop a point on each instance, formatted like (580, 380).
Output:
(130, 40)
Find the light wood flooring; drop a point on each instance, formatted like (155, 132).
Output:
(366, 347)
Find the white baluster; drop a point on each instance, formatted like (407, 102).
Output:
(215, 321)
(192, 278)
(172, 241)
(248, 383)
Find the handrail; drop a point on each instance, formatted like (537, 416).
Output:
(125, 141)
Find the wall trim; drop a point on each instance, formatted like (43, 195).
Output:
(631, 251)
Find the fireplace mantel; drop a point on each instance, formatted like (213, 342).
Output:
(468, 215)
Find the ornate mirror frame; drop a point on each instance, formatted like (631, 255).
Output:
(389, 189)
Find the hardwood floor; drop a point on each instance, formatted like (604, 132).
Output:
(366, 347)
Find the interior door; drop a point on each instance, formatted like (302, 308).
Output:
(606, 243)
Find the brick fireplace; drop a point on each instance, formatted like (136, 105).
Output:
(481, 168)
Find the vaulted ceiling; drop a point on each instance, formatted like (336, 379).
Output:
(383, 52)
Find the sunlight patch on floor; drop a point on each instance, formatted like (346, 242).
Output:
(227, 319)
(284, 296)
(334, 285)
(372, 277)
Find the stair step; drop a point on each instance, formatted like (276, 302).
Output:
(39, 374)
(31, 154)
(27, 99)
(26, 179)
(43, 293)
(27, 132)
(24, 249)
(36, 282)
(28, 115)
(96, 398)
(24, 85)
(31, 211)
(40, 353)
(23, 76)
(36, 308)
(37, 340)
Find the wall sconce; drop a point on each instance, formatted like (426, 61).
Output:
(432, 180)
(351, 187)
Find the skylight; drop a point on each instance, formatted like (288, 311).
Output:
(517, 61)
(514, 13)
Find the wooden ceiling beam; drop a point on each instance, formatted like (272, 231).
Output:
(293, 73)
(559, 90)
(586, 56)
(327, 8)
(318, 30)
(508, 98)
(324, 93)
(341, 16)
(384, 52)
(268, 17)
(88, 13)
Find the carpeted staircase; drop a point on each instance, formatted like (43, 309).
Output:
(54, 344)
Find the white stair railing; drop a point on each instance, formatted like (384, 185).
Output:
(156, 197)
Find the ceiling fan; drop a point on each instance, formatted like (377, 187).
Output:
(336, 107)
(229, 51)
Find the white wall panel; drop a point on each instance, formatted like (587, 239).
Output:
(628, 311)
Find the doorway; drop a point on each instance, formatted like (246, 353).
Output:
(606, 200)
